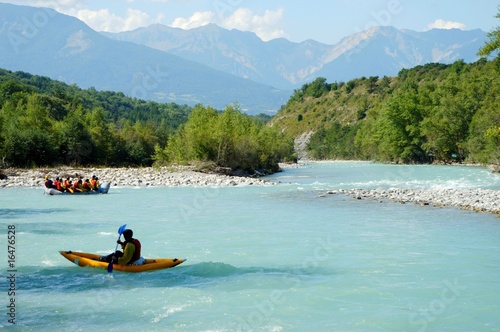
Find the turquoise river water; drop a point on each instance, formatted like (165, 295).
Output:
(273, 258)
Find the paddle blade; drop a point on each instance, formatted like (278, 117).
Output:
(121, 229)
(110, 267)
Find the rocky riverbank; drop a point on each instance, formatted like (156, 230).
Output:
(470, 199)
(146, 176)
(479, 200)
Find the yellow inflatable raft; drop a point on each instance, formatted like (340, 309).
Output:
(92, 260)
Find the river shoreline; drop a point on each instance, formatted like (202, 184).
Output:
(135, 177)
(479, 200)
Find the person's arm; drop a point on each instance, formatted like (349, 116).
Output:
(128, 252)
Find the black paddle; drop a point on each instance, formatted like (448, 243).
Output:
(120, 231)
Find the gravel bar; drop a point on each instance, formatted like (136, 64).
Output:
(479, 200)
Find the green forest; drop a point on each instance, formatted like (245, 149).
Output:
(435, 112)
(430, 113)
(44, 122)
(228, 139)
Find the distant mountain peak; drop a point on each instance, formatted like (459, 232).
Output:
(208, 61)
(288, 65)
(66, 49)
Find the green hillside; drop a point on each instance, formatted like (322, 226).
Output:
(428, 113)
(319, 104)
(48, 123)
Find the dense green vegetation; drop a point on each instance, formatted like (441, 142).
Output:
(493, 44)
(434, 112)
(46, 122)
(229, 139)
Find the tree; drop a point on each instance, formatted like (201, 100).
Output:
(140, 141)
(228, 139)
(493, 45)
(317, 88)
(194, 140)
(83, 126)
(335, 142)
(446, 127)
(372, 83)
(484, 132)
(399, 128)
(76, 145)
(101, 135)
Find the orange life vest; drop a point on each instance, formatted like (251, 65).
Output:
(58, 185)
(86, 186)
(77, 185)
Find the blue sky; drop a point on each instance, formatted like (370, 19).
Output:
(326, 21)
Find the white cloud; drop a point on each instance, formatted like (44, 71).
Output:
(100, 20)
(442, 24)
(62, 6)
(265, 26)
(136, 19)
(103, 20)
(198, 19)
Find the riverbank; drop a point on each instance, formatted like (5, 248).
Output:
(135, 177)
(469, 199)
(479, 200)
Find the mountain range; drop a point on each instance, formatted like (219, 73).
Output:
(209, 64)
(378, 51)
(44, 42)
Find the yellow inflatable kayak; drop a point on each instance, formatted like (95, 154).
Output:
(92, 260)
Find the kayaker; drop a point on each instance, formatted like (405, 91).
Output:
(68, 185)
(86, 185)
(94, 183)
(48, 182)
(62, 185)
(131, 251)
(77, 186)
(58, 184)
